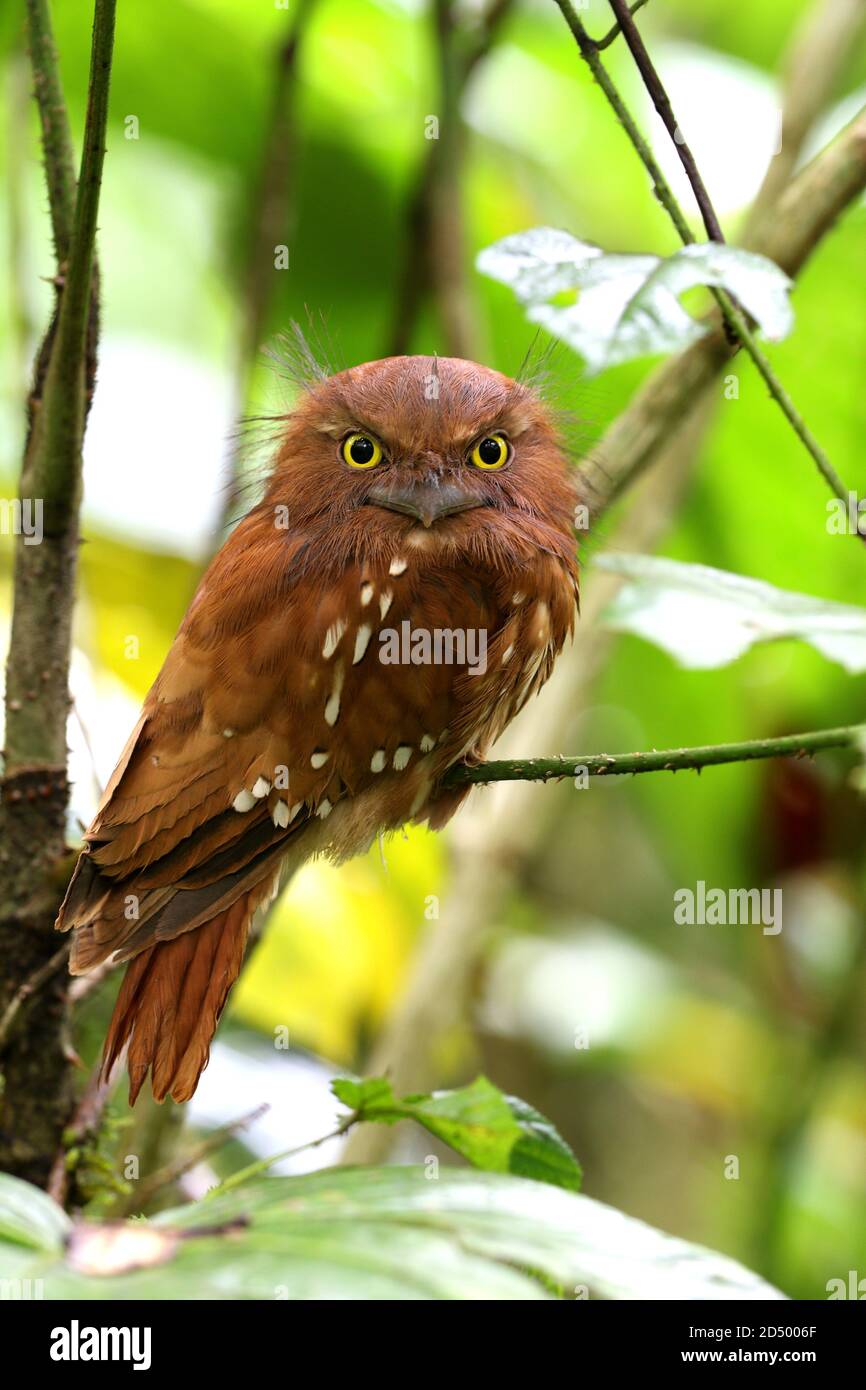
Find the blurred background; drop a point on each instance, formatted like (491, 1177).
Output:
(661, 1051)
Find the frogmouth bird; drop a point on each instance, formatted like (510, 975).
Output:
(408, 495)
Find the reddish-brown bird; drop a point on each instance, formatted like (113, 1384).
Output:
(404, 491)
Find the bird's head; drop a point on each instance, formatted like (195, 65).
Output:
(433, 451)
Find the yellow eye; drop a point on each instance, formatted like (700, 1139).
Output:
(490, 452)
(360, 451)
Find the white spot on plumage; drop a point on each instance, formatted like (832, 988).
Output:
(325, 809)
(362, 637)
(332, 708)
(508, 653)
(366, 594)
(517, 598)
(244, 801)
(293, 811)
(228, 733)
(397, 566)
(281, 815)
(427, 743)
(385, 600)
(402, 756)
(319, 759)
(377, 762)
(261, 788)
(332, 638)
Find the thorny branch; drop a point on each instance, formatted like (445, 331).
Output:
(665, 760)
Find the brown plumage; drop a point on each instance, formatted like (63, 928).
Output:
(278, 727)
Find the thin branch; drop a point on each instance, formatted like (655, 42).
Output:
(805, 214)
(270, 224)
(825, 42)
(28, 988)
(665, 760)
(732, 316)
(614, 33)
(56, 135)
(262, 1165)
(181, 1163)
(491, 22)
(64, 405)
(433, 209)
(661, 102)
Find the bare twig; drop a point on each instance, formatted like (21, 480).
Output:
(616, 30)
(434, 238)
(825, 42)
(261, 1165)
(29, 987)
(270, 225)
(734, 320)
(661, 102)
(182, 1162)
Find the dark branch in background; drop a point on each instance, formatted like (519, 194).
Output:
(144, 1191)
(36, 1093)
(806, 212)
(616, 30)
(733, 319)
(434, 250)
(661, 102)
(271, 223)
(27, 989)
(666, 760)
(827, 39)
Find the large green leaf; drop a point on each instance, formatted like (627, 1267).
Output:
(629, 306)
(29, 1217)
(498, 1133)
(707, 617)
(381, 1233)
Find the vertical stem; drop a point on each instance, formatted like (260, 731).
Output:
(36, 1092)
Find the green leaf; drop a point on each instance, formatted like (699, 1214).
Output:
(629, 306)
(28, 1216)
(386, 1233)
(706, 617)
(493, 1131)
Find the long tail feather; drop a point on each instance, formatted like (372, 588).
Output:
(170, 1003)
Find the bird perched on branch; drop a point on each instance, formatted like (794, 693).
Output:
(408, 496)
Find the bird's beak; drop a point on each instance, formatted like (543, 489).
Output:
(427, 500)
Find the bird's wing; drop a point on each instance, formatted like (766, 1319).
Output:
(273, 705)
